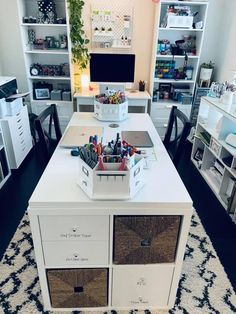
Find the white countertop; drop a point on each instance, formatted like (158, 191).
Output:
(164, 189)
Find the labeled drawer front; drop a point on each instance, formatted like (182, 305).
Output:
(142, 286)
(137, 102)
(145, 239)
(73, 288)
(58, 254)
(74, 228)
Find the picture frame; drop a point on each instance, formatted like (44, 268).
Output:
(42, 93)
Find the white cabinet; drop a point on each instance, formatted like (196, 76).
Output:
(4, 165)
(47, 55)
(18, 140)
(172, 78)
(212, 155)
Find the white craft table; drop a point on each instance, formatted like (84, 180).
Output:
(88, 256)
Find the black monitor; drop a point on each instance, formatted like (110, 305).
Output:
(114, 68)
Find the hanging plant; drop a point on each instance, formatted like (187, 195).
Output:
(79, 41)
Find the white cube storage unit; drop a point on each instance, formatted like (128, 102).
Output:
(113, 254)
(213, 157)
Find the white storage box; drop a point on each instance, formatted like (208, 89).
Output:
(111, 184)
(111, 112)
(176, 21)
(14, 106)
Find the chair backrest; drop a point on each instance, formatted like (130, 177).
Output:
(48, 129)
(176, 134)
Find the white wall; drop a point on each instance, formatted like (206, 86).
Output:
(11, 55)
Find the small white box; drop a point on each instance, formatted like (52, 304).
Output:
(14, 106)
(111, 184)
(176, 21)
(111, 112)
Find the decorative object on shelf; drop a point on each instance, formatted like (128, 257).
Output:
(47, 12)
(78, 39)
(50, 70)
(231, 139)
(31, 37)
(198, 156)
(165, 90)
(206, 74)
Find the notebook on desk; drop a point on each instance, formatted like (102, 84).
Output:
(76, 136)
(137, 138)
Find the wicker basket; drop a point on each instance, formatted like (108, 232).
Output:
(70, 288)
(145, 239)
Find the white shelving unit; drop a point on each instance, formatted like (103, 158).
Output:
(27, 8)
(173, 34)
(213, 157)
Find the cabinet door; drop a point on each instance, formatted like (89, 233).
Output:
(142, 286)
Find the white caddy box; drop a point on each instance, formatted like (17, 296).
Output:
(179, 21)
(111, 184)
(111, 112)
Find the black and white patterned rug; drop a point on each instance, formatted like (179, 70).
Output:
(203, 287)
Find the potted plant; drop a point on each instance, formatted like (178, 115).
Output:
(206, 71)
(79, 41)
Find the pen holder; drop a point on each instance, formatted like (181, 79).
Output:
(111, 184)
(141, 86)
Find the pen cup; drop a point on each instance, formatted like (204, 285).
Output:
(141, 86)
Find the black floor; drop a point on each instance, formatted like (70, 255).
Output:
(16, 192)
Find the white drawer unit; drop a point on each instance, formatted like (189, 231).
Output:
(142, 286)
(16, 132)
(74, 228)
(65, 254)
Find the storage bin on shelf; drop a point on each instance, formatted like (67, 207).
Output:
(111, 107)
(111, 184)
(176, 21)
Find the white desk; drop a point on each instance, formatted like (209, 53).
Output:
(85, 100)
(72, 233)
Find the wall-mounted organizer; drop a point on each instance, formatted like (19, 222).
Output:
(45, 35)
(111, 27)
(212, 155)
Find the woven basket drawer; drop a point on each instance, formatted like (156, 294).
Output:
(145, 239)
(70, 288)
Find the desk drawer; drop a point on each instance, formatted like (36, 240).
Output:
(59, 254)
(74, 228)
(137, 102)
(142, 286)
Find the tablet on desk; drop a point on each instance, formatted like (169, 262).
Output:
(76, 136)
(137, 138)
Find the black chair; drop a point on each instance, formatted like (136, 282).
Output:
(45, 124)
(176, 134)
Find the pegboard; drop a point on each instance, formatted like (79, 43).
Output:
(111, 27)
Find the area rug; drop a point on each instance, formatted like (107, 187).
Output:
(203, 287)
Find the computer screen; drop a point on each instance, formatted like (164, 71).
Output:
(114, 68)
